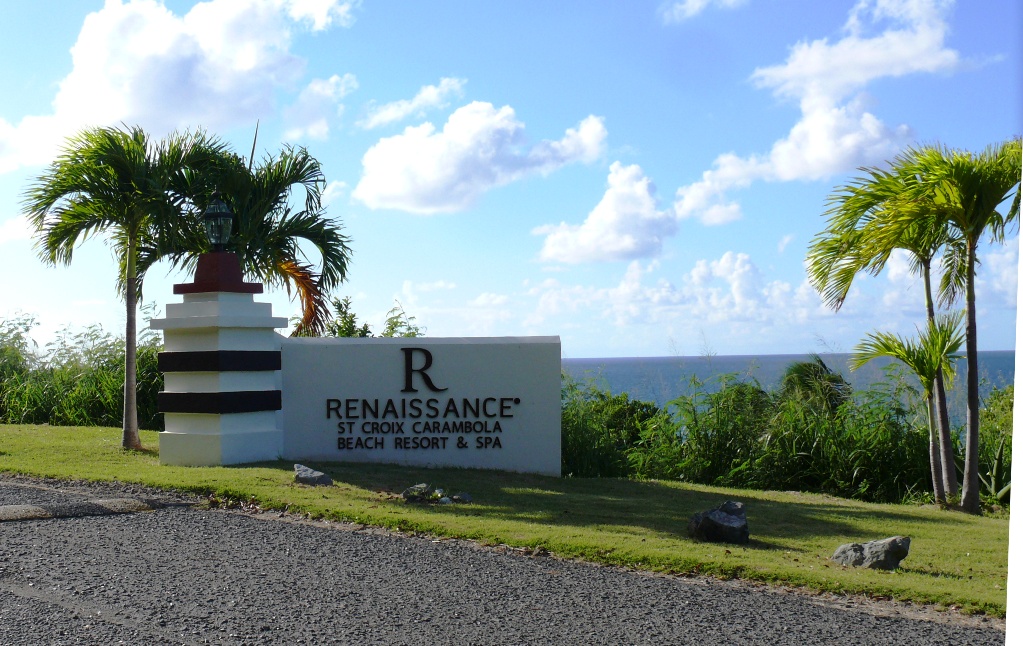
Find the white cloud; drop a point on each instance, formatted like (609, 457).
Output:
(321, 13)
(411, 291)
(489, 300)
(996, 278)
(316, 106)
(730, 299)
(479, 148)
(998, 275)
(704, 199)
(554, 299)
(429, 96)
(220, 64)
(333, 191)
(835, 132)
(899, 268)
(630, 301)
(716, 214)
(728, 288)
(15, 229)
(784, 242)
(625, 224)
(729, 295)
(434, 286)
(633, 301)
(821, 71)
(904, 293)
(675, 12)
(432, 306)
(480, 316)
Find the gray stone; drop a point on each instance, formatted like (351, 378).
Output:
(305, 475)
(424, 493)
(417, 493)
(885, 554)
(726, 523)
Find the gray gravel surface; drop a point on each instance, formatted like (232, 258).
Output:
(181, 575)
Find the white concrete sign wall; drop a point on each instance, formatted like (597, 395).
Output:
(487, 403)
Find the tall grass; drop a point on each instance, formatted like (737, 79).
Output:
(870, 445)
(869, 448)
(77, 381)
(996, 445)
(598, 428)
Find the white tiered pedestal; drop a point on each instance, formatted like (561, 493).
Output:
(221, 362)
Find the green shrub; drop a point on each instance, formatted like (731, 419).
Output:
(16, 347)
(868, 448)
(995, 446)
(658, 453)
(79, 381)
(720, 431)
(16, 352)
(597, 429)
(868, 445)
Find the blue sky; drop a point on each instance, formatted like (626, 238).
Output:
(640, 178)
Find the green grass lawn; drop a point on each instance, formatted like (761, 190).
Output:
(954, 560)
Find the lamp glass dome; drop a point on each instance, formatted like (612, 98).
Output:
(217, 219)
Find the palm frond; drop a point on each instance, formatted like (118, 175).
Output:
(315, 306)
(275, 242)
(878, 212)
(932, 350)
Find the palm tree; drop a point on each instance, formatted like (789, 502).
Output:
(115, 182)
(269, 232)
(968, 189)
(858, 239)
(927, 356)
(814, 382)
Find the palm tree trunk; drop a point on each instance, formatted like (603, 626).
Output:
(971, 471)
(130, 422)
(950, 483)
(948, 456)
(936, 480)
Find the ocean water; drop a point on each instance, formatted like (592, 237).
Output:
(661, 379)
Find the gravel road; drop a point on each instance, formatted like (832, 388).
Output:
(181, 575)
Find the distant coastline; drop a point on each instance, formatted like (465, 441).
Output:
(661, 379)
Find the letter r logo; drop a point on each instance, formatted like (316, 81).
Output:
(409, 370)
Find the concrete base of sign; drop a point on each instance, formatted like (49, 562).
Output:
(205, 450)
(236, 424)
(221, 365)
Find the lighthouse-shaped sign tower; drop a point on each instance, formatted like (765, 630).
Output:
(221, 365)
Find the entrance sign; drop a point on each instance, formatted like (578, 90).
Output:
(478, 402)
(235, 391)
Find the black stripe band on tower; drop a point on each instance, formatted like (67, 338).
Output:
(245, 401)
(219, 361)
